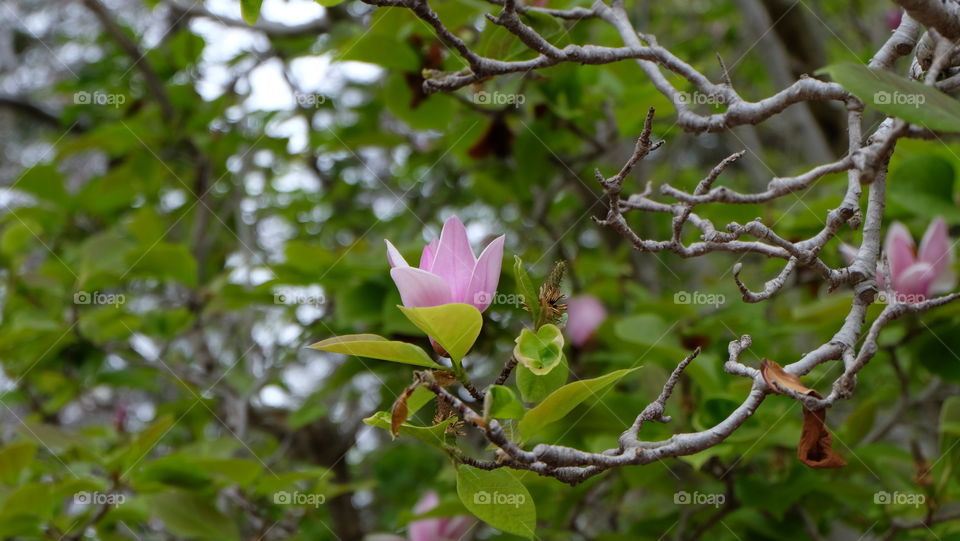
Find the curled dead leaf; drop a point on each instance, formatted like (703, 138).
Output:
(776, 377)
(400, 411)
(816, 445)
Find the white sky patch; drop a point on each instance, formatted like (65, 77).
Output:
(269, 90)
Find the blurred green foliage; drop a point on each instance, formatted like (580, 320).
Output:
(162, 276)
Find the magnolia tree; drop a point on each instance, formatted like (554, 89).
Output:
(446, 295)
(324, 270)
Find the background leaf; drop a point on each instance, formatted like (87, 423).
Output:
(498, 498)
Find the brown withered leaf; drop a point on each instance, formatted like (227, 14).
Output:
(497, 140)
(400, 411)
(444, 378)
(774, 375)
(816, 445)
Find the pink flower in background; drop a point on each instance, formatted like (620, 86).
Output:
(915, 273)
(585, 313)
(449, 272)
(893, 17)
(924, 271)
(430, 529)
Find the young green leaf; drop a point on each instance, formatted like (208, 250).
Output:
(250, 10)
(501, 403)
(541, 351)
(498, 498)
(534, 388)
(191, 515)
(454, 326)
(898, 96)
(563, 400)
(377, 347)
(433, 435)
(525, 288)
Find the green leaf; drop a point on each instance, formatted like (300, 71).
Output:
(525, 288)
(376, 347)
(145, 441)
(433, 435)
(250, 9)
(923, 185)
(329, 3)
(421, 397)
(15, 458)
(306, 414)
(563, 400)
(534, 388)
(166, 261)
(860, 421)
(949, 423)
(898, 96)
(498, 498)
(935, 349)
(238, 470)
(949, 430)
(454, 326)
(501, 403)
(192, 515)
(541, 351)
(44, 182)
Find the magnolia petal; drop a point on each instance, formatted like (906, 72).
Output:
(899, 249)
(584, 314)
(456, 528)
(945, 282)
(420, 288)
(428, 255)
(427, 529)
(485, 276)
(454, 260)
(914, 283)
(393, 256)
(849, 253)
(936, 248)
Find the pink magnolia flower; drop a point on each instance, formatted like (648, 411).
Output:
(915, 273)
(449, 272)
(924, 271)
(430, 529)
(585, 313)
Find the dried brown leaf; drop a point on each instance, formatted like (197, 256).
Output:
(774, 375)
(816, 446)
(400, 411)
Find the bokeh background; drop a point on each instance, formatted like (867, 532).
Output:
(189, 201)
